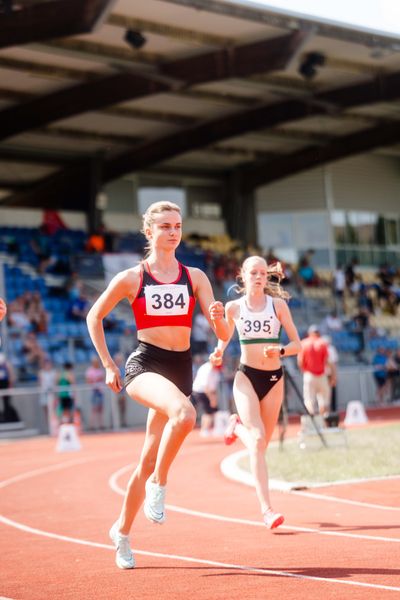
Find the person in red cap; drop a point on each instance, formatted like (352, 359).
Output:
(313, 361)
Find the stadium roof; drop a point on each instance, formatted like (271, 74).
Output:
(206, 87)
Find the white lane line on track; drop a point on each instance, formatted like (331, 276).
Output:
(44, 470)
(202, 561)
(231, 470)
(113, 483)
(345, 500)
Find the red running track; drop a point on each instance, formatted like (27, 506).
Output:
(56, 510)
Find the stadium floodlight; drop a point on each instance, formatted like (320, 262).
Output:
(308, 66)
(134, 39)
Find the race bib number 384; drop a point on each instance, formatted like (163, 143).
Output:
(167, 299)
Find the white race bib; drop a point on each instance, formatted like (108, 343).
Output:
(166, 299)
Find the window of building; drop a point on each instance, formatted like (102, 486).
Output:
(206, 210)
(148, 195)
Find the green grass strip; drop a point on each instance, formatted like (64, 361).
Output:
(371, 452)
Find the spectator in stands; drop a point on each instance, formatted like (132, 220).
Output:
(205, 395)
(379, 362)
(33, 353)
(313, 361)
(350, 273)
(47, 382)
(393, 372)
(96, 242)
(17, 316)
(364, 300)
(390, 304)
(358, 327)
(3, 309)
(94, 376)
(339, 285)
(396, 378)
(37, 314)
(40, 245)
(7, 380)
(332, 322)
(306, 273)
(66, 402)
(79, 307)
(331, 371)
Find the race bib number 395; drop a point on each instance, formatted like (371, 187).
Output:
(168, 299)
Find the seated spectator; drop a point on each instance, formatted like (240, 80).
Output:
(37, 314)
(390, 304)
(393, 372)
(16, 315)
(379, 362)
(40, 245)
(95, 376)
(306, 272)
(332, 322)
(359, 326)
(33, 353)
(339, 282)
(350, 273)
(78, 308)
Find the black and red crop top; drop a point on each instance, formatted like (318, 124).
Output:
(159, 304)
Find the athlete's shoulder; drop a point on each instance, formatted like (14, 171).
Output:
(232, 307)
(128, 277)
(197, 275)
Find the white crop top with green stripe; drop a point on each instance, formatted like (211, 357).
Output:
(258, 327)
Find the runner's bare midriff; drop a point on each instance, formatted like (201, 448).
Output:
(176, 339)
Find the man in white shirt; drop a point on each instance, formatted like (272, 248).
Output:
(205, 395)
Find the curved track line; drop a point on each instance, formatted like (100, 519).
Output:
(195, 513)
(44, 470)
(231, 471)
(192, 559)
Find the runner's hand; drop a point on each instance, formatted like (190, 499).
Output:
(216, 357)
(272, 351)
(113, 378)
(216, 310)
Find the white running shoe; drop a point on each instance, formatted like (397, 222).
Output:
(154, 503)
(272, 519)
(124, 557)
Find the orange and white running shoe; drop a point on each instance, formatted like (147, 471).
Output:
(230, 435)
(272, 519)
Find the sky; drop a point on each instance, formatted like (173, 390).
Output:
(381, 16)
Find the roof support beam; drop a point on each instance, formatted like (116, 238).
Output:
(148, 154)
(80, 98)
(45, 20)
(266, 172)
(263, 56)
(266, 116)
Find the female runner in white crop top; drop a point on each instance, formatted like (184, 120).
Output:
(258, 386)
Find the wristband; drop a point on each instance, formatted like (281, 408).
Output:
(282, 351)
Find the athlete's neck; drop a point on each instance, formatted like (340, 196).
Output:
(163, 263)
(255, 299)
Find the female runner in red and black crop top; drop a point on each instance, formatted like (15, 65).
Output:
(162, 293)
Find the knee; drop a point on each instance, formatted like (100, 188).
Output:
(258, 443)
(185, 418)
